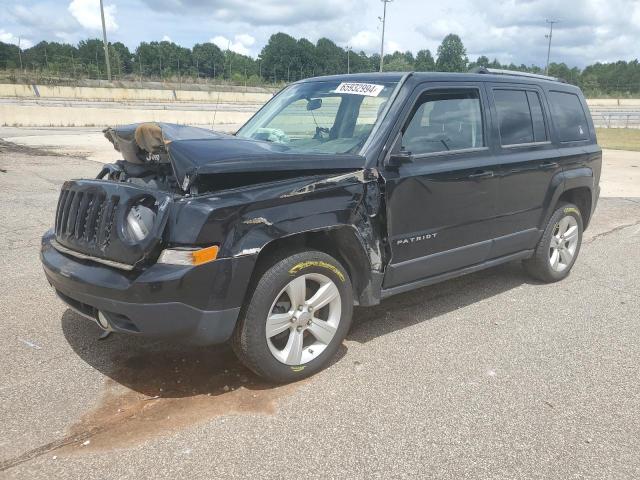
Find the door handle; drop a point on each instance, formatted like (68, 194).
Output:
(549, 165)
(481, 174)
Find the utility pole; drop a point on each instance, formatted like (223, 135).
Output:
(384, 21)
(140, 65)
(550, 22)
(229, 55)
(106, 45)
(97, 64)
(348, 64)
(20, 52)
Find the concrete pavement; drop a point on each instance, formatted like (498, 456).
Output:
(490, 375)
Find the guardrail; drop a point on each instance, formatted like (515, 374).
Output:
(616, 119)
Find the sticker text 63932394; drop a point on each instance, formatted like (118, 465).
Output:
(367, 89)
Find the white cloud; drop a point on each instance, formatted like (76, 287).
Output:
(391, 46)
(87, 13)
(589, 30)
(365, 40)
(240, 43)
(8, 37)
(166, 38)
(261, 12)
(245, 39)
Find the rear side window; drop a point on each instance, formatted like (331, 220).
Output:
(568, 117)
(520, 117)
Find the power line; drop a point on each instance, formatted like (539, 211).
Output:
(549, 36)
(384, 21)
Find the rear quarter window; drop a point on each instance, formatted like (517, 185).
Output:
(568, 117)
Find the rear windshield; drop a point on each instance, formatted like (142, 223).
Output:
(568, 116)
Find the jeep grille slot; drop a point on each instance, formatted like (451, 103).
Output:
(84, 216)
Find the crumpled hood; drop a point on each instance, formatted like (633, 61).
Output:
(196, 151)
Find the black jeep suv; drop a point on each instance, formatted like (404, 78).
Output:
(340, 191)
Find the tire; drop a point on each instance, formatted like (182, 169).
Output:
(557, 251)
(304, 340)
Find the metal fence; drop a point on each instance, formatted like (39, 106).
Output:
(616, 117)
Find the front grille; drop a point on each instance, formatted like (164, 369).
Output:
(85, 217)
(90, 219)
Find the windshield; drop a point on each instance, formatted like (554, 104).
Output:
(320, 117)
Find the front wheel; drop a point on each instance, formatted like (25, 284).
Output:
(297, 317)
(559, 246)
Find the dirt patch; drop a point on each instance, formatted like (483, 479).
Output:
(158, 393)
(10, 147)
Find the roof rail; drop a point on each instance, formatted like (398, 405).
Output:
(515, 73)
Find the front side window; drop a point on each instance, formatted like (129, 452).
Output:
(445, 121)
(520, 117)
(568, 117)
(326, 117)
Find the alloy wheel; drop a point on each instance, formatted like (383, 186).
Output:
(303, 319)
(564, 243)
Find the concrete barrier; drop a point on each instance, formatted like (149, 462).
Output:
(131, 94)
(54, 116)
(613, 102)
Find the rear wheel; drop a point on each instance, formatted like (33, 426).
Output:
(559, 246)
(298, 315)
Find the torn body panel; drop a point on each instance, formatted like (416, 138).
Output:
(200, 156)
(246, 220)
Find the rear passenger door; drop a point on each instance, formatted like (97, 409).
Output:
(528, 164)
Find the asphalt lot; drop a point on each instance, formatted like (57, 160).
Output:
(487, 376)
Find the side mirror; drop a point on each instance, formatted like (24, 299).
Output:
(398, 155)
(314, 104)
(400, 158)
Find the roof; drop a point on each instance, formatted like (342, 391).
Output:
(360, 77)
(505, 76)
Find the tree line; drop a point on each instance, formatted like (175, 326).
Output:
(284, 59)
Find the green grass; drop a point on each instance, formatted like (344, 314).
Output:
(619, 138)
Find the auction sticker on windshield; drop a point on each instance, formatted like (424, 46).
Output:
(367, 89)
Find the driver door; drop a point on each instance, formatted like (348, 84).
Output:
(441, 204)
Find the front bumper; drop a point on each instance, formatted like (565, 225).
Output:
(199, 304)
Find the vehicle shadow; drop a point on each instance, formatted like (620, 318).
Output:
(172, 370)
(425, 304)
(161, 368)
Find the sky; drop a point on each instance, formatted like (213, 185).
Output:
(509, 30)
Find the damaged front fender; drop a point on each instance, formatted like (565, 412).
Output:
(247, 220)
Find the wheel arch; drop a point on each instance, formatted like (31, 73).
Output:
(575, 186)
(581, 197)
(341, 242)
